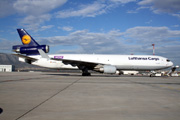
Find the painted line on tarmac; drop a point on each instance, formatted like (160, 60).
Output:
(48, 98)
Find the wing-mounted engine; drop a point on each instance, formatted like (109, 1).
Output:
(30, 50)
(109, 69)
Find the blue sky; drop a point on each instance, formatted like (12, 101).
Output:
(94, 26)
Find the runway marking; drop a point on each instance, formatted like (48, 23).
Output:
(49, 98)
(23, 79)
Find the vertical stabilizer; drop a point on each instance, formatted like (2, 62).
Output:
(30, 46)
(26, 38)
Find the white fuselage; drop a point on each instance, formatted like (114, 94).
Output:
(121, 62)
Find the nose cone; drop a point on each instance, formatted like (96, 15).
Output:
(170, 64)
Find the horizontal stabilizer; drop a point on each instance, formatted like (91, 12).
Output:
(25, 57)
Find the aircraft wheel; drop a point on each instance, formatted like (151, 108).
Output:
(86, 74)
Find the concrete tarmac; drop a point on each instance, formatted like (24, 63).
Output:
(70, 96)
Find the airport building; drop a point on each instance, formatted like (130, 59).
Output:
(6, 68)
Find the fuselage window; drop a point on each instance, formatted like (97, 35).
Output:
(168, 60)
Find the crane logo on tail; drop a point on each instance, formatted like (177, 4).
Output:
(26, 39)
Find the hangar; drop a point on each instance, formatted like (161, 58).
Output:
(6, 68)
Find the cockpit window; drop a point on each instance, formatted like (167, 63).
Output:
(168, 60)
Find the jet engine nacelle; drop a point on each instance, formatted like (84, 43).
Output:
(108, 69)
(30, 50)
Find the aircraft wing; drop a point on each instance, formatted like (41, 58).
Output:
(78, 62)
(26, 57)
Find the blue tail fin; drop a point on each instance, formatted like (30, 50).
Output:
(30, 46)
(26, 38)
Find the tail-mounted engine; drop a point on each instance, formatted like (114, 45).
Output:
(30, 50)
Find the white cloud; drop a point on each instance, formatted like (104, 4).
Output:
(123, 1)
(176, 15)
(28, 7)
(46, 27)
(171, 7)
(37, 7)
(6, 8)
(33, 22)
(151, 34)
(88, 41)
(72, 51)
(137, 40)
(175, 26)
(162, 6)
(5, 45)
(66, 28)
(36, 12)
(150, 21)
(91, 10)
(137, 9)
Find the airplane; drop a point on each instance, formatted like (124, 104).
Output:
(33, 53)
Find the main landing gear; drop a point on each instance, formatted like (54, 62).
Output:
(85, 72)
